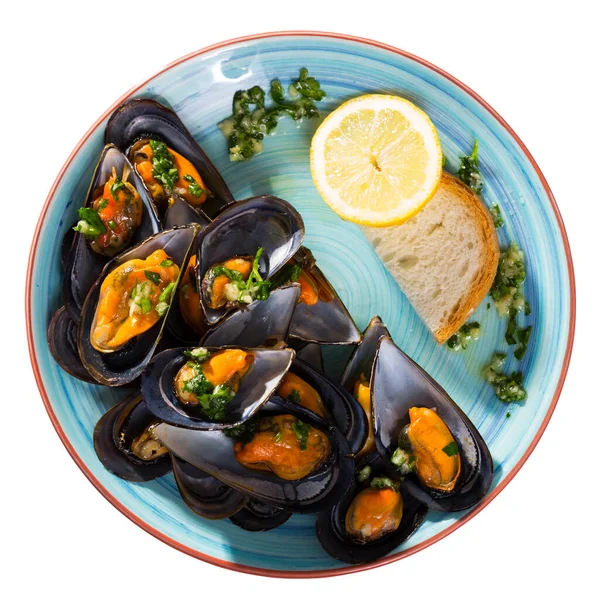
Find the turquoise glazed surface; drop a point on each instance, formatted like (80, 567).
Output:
(200, 89)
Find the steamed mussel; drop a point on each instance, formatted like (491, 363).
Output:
(123, 315)
(212, 388)
(373, 518)
(166, 155)
(117, 214)
(125, 444)
(425, 436)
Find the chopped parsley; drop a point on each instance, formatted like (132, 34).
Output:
(507, 292)
(153, 277)
(294, 397)
(251, 120)
(461, 339)
(198, 354)
(451, 449)
(116, 186)
(245, 292)
(496, 216)
(289, 273)
(301, 431)
(103, 204)
(193, 186)
(90, 223)
(382, 483)
(243, 432)
(508, 388)
(468, 172)
(166, 263)
(112, 224)
(278, 437)
(403, 461)
(508, 415)
(163, 165)
(212, 399)
(164, 299)
(364, 474)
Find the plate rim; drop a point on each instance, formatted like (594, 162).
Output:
(311, 574)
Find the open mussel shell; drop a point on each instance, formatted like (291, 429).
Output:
(331, 527)
(179, 212)
(255, 388)
(241, 229)
(114, 435)
(141, 117)
(398, 384)
(124, 365)
(343, 410)
(259, 516)
(212, 452)
(62, 341)
(312, 355)
(328, 321)
(205, 495)
(83, 265)
(261, 324)
(363, 357)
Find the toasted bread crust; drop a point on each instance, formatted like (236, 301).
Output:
(482, 284)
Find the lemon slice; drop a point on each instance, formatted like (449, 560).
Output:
(376, 160)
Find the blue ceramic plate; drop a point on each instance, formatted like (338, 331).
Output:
(199, 88)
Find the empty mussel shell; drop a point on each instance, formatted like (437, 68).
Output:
(126, 364)
(264, 323)
(256, 386)
(259, 516)
(205, 495)
(241, 229)
(144, 118)
(312, 355)
(327, 320)
(62, 341)
(124, 443)
(398, 384)
(83, 265)
(343, 410)
(331, 525)
(361, 362)
(213, 452)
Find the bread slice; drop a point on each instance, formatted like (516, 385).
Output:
(444, 258)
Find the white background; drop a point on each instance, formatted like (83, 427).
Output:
(62, 66)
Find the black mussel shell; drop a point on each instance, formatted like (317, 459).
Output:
(205, 495)
(65, 247)
(344, 411)
(83, 265)
(115, 432)
(178, 213)
(62, 341)
(312, 355)
(258, 516)
(398, 384)
(212, 451)
(124, 365)
(256, 387)
(331, 527)
(328, 321)
(142, 117)
(264, 323)
(363, 357)
(241, 229)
